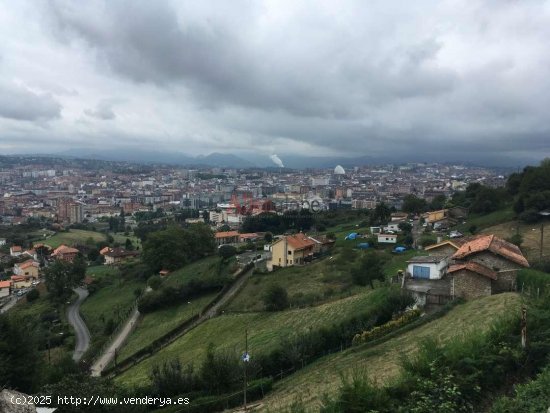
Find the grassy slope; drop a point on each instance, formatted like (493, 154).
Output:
(199, 269)
(111, 301)
(264, 329)
(530, 234)
(382, 361)
(74, 236)
(153, 325)
(487, 220)
(102, 271)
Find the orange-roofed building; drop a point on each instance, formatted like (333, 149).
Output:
(292, 250)
(5, 289)
(30, 268)
(226, 237)
(65, 253)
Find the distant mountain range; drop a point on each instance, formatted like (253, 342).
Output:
(251, 159)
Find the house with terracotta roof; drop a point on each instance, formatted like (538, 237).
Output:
(118, 256)
(5, 289)
(292, 250)
(478, 266)
(28, 268)
(227, 237)
(484, 266)
(65, 253)
(21, 281)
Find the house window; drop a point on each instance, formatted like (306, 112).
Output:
(421, 272)
(289, 252)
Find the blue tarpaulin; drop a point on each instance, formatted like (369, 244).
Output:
(399, 249)
(351, 236)
(363, 245)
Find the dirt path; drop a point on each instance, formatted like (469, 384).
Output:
(81, 330)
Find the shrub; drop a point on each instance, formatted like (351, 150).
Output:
(33, 295)
(384, 329)
(276, 298)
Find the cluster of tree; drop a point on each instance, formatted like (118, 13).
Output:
(164, 296)
(62, 276)
(117, 224)
(481, 199)
(302, 220)
(175, 247)
(276, 298)
(370, 269)
(531, 191)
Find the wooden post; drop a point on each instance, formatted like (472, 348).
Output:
(541, 239)
(523, 326)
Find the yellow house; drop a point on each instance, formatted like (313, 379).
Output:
(292, 250)
(434, 216)
(30, 268)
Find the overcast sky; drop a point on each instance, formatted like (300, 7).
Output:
(308, 77)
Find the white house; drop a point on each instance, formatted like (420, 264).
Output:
(432, 267)
(16, 251)
(2, 242)
(387, 238)
(393, 226)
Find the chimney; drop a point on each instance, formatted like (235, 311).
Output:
(439, 239)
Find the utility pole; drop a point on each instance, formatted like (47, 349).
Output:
(523, 326)
(541, 239)
(245, 359)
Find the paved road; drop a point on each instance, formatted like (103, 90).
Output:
(117, 343)
(80, 328)
(10, 303)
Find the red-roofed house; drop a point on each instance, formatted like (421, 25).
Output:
(65, 253)
(5, 289)
(16, 251)
(292, 250)
(227, 237)
(30, 268)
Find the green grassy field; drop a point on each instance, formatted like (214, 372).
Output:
(265, 331)
(153, 325)
(109, 302)
(530, 234)
(487, 220)
(323, 280)
(101, 271)
(381, 362)
(72, 237)
(206, 267)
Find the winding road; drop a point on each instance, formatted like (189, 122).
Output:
(81, 331)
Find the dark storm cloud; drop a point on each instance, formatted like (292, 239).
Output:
(16, 102)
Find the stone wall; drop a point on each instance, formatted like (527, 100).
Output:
(469, 285)
(447, 250)
(505, 282)
(493, 261)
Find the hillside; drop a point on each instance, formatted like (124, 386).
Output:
(530, 234)
(265, 331)
(381, 362)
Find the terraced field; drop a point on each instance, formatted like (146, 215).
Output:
(264, 331)
(154, 325)
(381, 362)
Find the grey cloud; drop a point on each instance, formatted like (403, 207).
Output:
(103, 111)
(16, 102)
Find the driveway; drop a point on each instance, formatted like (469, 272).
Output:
(81, 330)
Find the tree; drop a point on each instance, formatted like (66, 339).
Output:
(20, 358)
(438, 202)
(128, 244)
(63, 276)
(515, 239)
(276, 298)
(33, 295)
(220, 370)
(154, 282)
(174, 247)
(414, 205)
(227, 251)
(172, 379)
(405, 227)
(371, 268)
(381, 214)
(268, 237)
